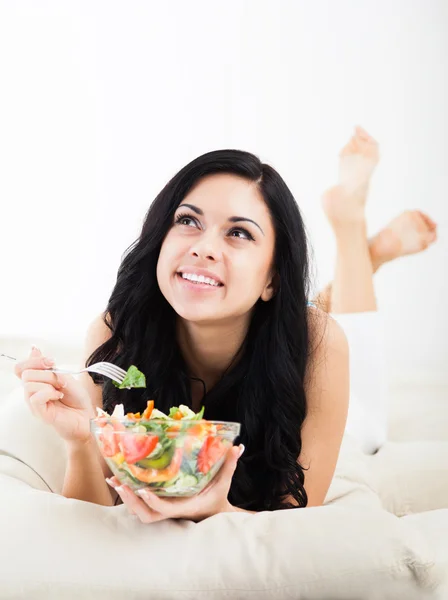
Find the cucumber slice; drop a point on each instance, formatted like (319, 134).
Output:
(180, 484)
(188, 481)
(157, 463)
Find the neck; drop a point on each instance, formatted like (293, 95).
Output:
(208, 350)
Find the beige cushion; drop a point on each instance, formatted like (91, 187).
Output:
(61, 548)
(31, 441)
(411, 477)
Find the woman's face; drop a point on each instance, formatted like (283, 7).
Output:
(221, 230)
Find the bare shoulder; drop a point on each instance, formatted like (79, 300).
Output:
(328, 346)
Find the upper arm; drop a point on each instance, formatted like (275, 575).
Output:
(327, 393)
(97, 334)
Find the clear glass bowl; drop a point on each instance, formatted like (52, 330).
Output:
(170, 457)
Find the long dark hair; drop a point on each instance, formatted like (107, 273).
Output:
(263, 389)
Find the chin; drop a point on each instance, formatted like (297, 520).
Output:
(195, 314)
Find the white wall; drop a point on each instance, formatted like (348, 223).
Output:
(102, 102)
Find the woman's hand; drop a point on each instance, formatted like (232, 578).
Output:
(212, 500)
(59, 400)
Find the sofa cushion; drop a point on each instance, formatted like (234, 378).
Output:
(60, 548)
(433, 526)
(411, 477)
(30, 441)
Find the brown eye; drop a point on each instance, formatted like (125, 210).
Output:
(180, 220)
(245, 233)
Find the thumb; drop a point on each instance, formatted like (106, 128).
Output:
(35, 352)
(232, 459)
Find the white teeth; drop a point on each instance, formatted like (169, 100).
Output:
(199, 279)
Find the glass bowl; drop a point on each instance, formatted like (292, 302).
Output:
(175, 458)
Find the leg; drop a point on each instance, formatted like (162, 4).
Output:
(350, 298)
(344, 205)
(408, 233)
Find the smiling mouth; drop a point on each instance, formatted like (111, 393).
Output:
(206, 282)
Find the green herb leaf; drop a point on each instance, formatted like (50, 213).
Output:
(199, 415)
(133, 379)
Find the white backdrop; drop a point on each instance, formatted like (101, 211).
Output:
(102, 102)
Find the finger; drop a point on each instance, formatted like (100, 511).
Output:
(41, 376)
(32, 387)
(167, 507)
(231, 461)
(137, 506)
(34, 362)
(40, 404)
(113, 481)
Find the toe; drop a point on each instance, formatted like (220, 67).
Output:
(432, 225)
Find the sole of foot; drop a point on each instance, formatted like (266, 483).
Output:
(345, 202)
(411, 232)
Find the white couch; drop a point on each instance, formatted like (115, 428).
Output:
(354, 547)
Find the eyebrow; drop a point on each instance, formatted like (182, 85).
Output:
(200, 212)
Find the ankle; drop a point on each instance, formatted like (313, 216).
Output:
(350, 228)
(376, 261)
(377, 256)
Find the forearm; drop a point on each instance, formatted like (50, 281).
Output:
(84, 477)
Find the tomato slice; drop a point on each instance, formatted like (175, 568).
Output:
(135, 447)
(109, 441)
(212, 450)
(158, 475)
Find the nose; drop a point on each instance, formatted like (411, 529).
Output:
(208, 247)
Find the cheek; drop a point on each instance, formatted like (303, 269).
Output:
(165, 263)
(248, 279)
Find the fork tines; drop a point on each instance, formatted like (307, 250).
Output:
(110, 370)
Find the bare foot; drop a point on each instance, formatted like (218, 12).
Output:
(345, 202)
(409, 233)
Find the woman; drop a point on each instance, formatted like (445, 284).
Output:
(244, 342)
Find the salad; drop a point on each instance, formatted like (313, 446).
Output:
(174, 454)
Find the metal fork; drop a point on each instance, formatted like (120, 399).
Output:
(102, 368)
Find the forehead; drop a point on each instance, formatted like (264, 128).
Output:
(228, 195)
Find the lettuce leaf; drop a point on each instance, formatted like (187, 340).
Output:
(198, 416)
(133, 379)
